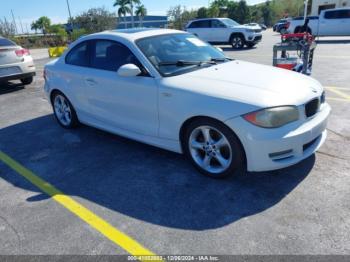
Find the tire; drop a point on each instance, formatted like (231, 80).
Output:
(297, 30)
(64, 111)
(237, 41)
(250, 45)
(283, 31)
(212, 148)
(27, 81)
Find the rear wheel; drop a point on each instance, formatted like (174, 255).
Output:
(283, 31)
(237, 41)
(27, 80)
(212, 148)
(64, 111)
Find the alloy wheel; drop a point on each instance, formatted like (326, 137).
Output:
(62, 109)
(237, 42)
(210, 149)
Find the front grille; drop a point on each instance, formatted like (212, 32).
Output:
(312, 107)
(258, 38)
(257, 30)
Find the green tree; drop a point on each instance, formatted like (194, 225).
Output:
(123, 9)
(127, 6)
(59, 30)
(43, 24)
(141, 12)
(179, 16)
(202, 12)
(267, 13)
(232, 10)
(243, 14)
(34, 26)
(213, 11)
(95, 20)
(222, 5)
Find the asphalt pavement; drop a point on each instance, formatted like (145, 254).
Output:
(156, 197)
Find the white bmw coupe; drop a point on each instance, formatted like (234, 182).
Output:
(169, 89)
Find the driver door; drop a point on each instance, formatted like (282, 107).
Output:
(129, 103)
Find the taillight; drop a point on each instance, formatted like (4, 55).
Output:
(22, 52)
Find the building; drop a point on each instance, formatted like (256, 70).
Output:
(152, 21)
(318, 5)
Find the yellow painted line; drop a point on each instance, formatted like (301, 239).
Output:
(337, 99)
(339, 88)
(113, 234)
(338, 92)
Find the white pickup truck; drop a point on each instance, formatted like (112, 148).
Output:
(331, 22)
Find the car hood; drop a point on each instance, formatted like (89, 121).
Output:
(258, 85)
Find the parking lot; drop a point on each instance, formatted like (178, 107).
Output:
(154, 200)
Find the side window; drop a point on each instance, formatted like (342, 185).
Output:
(217, 24)
(339, 14)
(204, 24)
(79, 55)
(193, 25)
(345, 14)
(110, 55)
(200, 24)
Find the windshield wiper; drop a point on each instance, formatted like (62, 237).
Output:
(181, 63)
(221, 59)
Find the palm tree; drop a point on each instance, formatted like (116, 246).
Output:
(123, 9)
(131, 3)
(34, 26)
(141, 12)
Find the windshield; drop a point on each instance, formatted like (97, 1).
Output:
(229, 22)
(175, 54)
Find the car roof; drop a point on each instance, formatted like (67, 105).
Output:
(138, 33)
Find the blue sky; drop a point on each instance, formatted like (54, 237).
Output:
(29, 10)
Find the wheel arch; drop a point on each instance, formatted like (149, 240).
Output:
(193, 118)
(53, 92)
(236, 34)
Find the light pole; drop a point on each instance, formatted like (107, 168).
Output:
(70, 15)
(305, 10)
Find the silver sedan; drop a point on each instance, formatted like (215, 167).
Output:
(16, 63)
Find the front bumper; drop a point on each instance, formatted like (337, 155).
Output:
(270, 149)
(254, 38)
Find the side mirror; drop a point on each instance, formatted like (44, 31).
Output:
(129, 70)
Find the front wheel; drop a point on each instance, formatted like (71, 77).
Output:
(27, 81)
(64, 111)
(213, 148)
(237, 42)
(283, 31)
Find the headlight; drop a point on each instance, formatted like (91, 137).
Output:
(273, 117)
(249, 30)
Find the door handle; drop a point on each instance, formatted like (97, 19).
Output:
(90, 81)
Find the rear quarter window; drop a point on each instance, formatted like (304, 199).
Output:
(79, 55)
(6, 42)
(337, 14)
